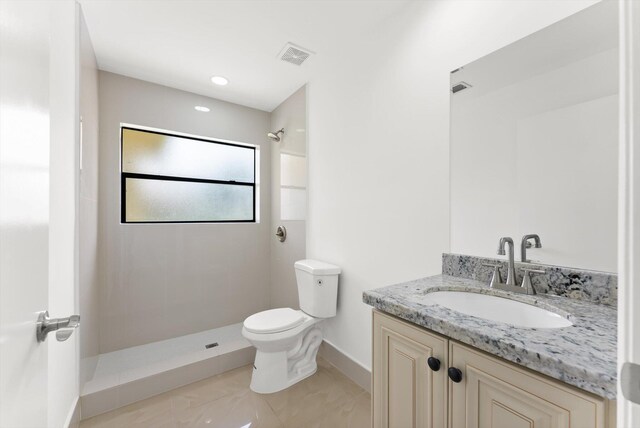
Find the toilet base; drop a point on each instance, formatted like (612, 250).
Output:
(275, 371)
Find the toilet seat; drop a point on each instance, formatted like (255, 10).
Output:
(273, 321)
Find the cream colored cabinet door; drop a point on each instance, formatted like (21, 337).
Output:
(496, 394)
(406, 392)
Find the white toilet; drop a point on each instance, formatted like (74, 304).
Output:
(287, 340)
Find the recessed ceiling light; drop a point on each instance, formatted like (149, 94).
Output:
(202, 108)
(219, 80)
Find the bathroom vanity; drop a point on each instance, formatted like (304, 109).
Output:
(438, 367)
(534, 155)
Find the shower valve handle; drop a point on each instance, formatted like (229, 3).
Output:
(281, 233)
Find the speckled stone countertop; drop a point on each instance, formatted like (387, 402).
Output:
(583, 355)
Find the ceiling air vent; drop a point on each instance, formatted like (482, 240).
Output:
(459, 87)
(294, 54)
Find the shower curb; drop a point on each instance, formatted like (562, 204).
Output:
(105, 400)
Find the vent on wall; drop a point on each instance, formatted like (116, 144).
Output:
(294, 54)
(459, 87)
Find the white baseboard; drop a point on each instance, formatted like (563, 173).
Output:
(347, 366)
(73, 420)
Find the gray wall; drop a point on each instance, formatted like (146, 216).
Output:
(159, 281)
(290, 115)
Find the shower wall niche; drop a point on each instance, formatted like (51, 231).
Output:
(288, 197)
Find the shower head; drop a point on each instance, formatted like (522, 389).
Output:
(275, 136)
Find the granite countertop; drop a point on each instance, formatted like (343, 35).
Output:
(583, 355)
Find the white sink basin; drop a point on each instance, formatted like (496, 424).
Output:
(496, 308)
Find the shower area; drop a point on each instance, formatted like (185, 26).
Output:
(163, 301)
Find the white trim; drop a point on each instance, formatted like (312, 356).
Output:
(346, 354)
(74, 416)
(347, 365)
(628, 414)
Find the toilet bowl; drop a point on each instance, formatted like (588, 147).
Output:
(285, 355)
(287, 340)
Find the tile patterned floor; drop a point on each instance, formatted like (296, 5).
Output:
(326, 399)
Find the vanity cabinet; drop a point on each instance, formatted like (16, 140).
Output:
(490, 392)
(498, 394)
(406, 391)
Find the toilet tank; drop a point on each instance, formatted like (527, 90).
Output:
(317, 287)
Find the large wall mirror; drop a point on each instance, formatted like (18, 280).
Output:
(534, 144)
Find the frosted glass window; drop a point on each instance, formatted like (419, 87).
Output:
(146, 152)
(184, 201)
(293, 204)
(175, 179)
(293, 170)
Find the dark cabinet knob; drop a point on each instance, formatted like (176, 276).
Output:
(434, 363)
(455, 374)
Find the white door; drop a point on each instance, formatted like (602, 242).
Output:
(24, 210)
(629, 218)
(38, 381)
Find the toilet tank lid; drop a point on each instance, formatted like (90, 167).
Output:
(316, 267)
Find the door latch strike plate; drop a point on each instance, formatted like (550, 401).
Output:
(630, 382)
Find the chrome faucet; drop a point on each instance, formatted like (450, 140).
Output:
(524, 244)
(526, 287)
(511, 271)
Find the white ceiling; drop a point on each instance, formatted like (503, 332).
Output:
(183, 43)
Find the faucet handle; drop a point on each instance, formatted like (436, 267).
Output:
(526, 279)
(526, 243)
(496, 278)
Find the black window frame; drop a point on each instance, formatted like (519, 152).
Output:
(125, 175)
